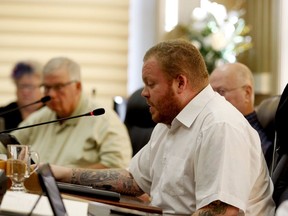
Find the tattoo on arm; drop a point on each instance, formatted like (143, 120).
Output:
(118, 180)
(217, 208)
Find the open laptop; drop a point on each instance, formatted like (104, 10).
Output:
(52, 190)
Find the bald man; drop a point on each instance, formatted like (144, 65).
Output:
(235, 82)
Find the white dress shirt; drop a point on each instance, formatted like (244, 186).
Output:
(209, 153)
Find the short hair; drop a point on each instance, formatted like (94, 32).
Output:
(180, 57)
(26, 67)
(72, 67)
(244, 74)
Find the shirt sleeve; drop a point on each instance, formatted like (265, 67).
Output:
(140, 168)
(228, 159)
(115, 146)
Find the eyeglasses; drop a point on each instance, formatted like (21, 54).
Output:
(27, 87)
(57, 87)
(223, 91)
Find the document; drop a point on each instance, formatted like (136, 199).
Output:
(23, 203)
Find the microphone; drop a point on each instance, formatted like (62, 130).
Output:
(95, 112)
(42, 100)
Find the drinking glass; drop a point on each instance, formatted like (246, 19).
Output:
(18, 166)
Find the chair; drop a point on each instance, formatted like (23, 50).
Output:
(266, 111)
(6, 138)
(138, 120)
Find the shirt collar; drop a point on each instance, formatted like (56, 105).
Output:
(252, 115)
(194, 107)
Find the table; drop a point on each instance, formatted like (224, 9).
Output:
(128, 202)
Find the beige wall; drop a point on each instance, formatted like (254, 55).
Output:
(95, 33)
(92, 32)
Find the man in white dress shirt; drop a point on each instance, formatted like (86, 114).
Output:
(203, 157)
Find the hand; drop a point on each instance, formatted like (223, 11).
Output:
(61, 173)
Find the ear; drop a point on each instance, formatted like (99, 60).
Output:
(248, 92)
(181, 83)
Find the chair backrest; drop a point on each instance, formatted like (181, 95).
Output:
(138, 120)
(266, 112)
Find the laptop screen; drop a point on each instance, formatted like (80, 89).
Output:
(50, 189)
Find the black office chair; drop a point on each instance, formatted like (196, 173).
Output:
(138, 120)
(6, 138)
(266, 112)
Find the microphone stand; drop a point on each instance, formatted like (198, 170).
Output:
(99, 111)
(42, 100)
(43, 123)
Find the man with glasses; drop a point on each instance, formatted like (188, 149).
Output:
(26, 76)
(92, 142)
(235, 82)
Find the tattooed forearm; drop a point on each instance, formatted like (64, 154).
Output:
(118, 180)
(217, 208)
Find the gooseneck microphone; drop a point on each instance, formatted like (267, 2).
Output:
(95, 112)
(42, 100)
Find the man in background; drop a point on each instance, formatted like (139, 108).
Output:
(235, 82)
(94, 142)
(26, 76)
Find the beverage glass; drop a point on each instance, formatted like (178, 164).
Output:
(18, 166)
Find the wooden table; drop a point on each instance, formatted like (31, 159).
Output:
(125, 202)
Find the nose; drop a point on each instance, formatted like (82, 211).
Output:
(50, 92)
(144, 92)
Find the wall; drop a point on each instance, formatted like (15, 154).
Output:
(266, 58)
(92, 32)
(142, 35)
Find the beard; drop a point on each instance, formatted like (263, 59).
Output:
(167, 108)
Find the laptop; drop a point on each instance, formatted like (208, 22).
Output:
(27, 203)
(52, 190)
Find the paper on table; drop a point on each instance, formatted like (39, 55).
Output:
(18, 202)
(24, 202)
